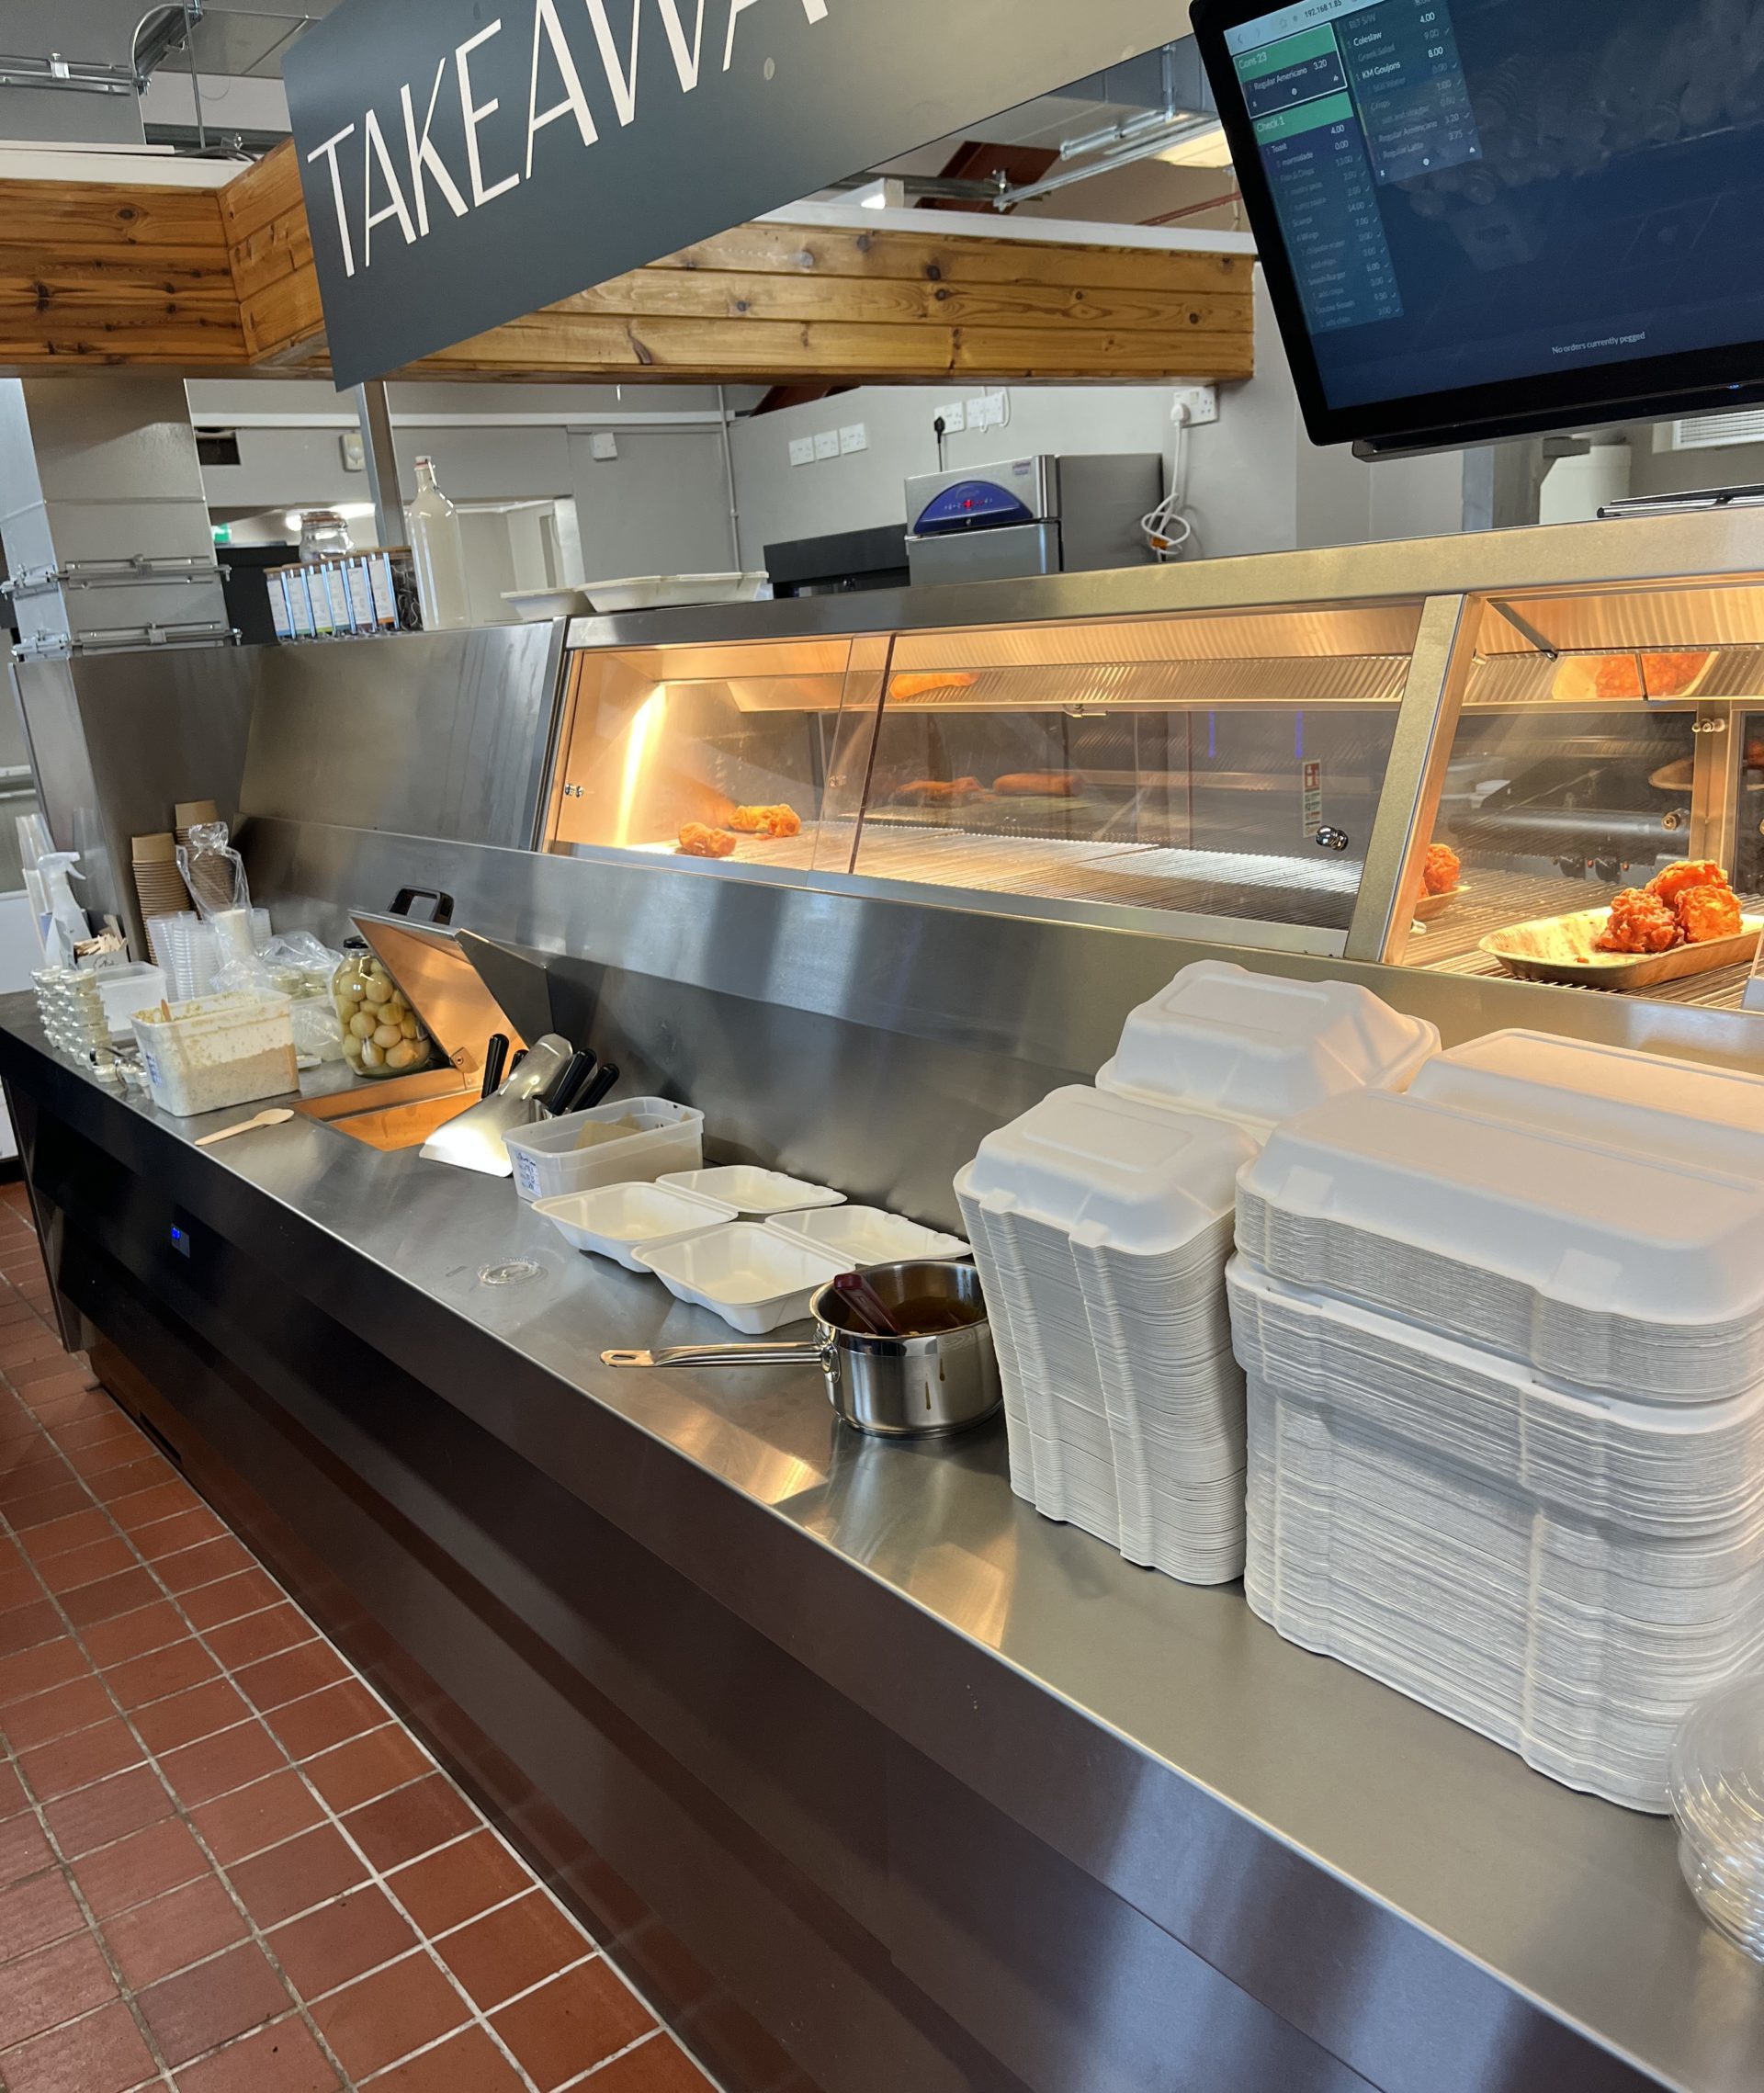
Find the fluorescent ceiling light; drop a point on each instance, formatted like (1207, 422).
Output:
(1204, 149)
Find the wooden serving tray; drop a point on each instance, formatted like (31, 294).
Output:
(1432, 907)
(1561, 948)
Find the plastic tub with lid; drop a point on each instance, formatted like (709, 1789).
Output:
(633, 1143)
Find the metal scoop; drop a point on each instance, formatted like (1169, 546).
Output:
(474, 1140)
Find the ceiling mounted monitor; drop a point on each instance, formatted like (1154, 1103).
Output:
(1490, 217)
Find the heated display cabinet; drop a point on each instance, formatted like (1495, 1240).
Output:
(1268, 774)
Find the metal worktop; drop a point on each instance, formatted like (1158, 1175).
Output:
(1395, 1901)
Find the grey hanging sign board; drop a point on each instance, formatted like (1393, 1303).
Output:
(466, 162)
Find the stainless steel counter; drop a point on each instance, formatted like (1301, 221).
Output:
(1139, 1841)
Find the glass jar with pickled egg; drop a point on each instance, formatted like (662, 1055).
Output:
(382, 1035)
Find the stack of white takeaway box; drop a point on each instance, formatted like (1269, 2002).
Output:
(1102, 1224)
(1504, 1343)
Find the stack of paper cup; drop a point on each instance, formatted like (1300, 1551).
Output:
(159, 885)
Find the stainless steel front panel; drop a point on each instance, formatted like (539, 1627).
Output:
(1014, 552)
(435, 733)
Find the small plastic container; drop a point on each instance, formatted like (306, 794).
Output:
(584, 1150)
(752, 1279)
(222, 1051)
(1716, 1783)
(618, 1221)
(863, 1236)
(756, 1194)
(126, 989)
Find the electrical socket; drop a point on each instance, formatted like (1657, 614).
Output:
(603, 446)
(802, 450)
(954, 418)
(1202, 402)
(826, 443)
(355, 452)
(853, 436)
(987, 412)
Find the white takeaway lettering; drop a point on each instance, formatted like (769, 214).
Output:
(425, 160)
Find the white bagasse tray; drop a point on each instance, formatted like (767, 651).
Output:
(863, 1236)
(752, 1192)
(753, 1279)
(618, 1221)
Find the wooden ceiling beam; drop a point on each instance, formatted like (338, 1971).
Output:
(209, 281)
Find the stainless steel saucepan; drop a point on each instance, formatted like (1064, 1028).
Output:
(926, 1385)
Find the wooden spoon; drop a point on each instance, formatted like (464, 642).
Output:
(279, 1118)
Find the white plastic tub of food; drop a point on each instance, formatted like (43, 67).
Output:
(633, 1143)
(620, 1220)
(217, 1052)
(863, 1236)
(1258, 1048)
(126, 989)
(756, 1194)
(752, 1279)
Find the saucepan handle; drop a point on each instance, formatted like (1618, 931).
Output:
(804, 1354)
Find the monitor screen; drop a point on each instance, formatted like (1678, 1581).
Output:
(1484, 216)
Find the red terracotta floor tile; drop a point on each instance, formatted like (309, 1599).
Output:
(576, 2020)
(47, 1506)
(187, 1717)
(13, 1797)
(341, 1941)
(412, 1822)
(292, 1675)
(36, 1913)
(78, 1760)
(163, 1501)
(206, 1563)
(110, 1810)
(458, 1882)
(368, 1767)
(466, 2063)
(125, 1593)
(315, 1725)
(187, 1926)
(101, 1431)
(18, 1588)
(134, 1634)
(27, 1627)
(32, 1371)
(40, 1991)
(243, 1642)
(262, 1814)
(102, 2054)
(24, 1851)
(211, 1606)
(76, 1531)
(172, 1669)
(279, 2059)
(658, 2065)
(384, 2017)
(144, 1865)
(217, 1765)
(195, 2012)
(182, 1530)
(35, 1671)
(58, 1713)
(511, 1950)
(97, 1559)
(291, 1878)
(29, 1466)
(133, 1471)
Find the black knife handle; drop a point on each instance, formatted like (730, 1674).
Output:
(568, 1079)
(597, 1090)
(495, 1062)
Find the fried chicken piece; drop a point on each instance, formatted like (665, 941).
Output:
(1640, 922)
(1039, 785)
(1679, 879)
(767, 821)
(698, 841)
(1445, 868)
(1707, 913)
(938, 792)
(1671, 675)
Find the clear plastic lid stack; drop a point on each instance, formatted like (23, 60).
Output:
(1716, 1778)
